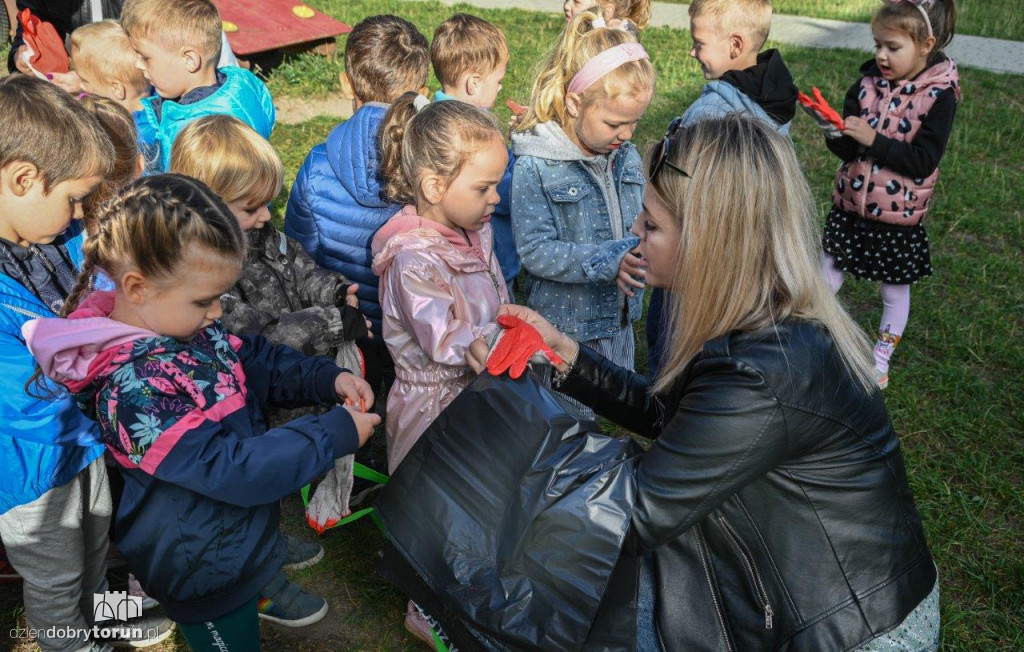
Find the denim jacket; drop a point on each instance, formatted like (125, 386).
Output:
(571, 216)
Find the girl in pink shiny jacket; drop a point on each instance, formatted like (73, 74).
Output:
(440, 284)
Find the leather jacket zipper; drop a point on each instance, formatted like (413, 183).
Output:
(711, 586)
(755, 576)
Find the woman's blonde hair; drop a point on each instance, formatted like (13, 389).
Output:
(438, 139)
(749, 249)
(150, 226)
(120, 129)
(578, 44)
(230, 157)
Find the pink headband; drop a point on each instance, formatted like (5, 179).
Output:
(920, 4)
(604, 63)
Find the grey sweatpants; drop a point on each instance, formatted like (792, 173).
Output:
(58, 544)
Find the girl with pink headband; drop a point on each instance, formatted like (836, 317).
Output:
(577, 187)
(898, 117)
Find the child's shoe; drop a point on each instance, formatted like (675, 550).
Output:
(301, 554)
(152, 628)
(288, 604)
(135, 590)
(422, 626)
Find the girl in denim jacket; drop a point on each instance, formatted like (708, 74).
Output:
(577, 187)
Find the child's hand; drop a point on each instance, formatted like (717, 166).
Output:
(518, 111)
(859, 130)
(365, 422)
(352, 301)
(353, 390)
(69, 81)
(350, 295)
(631, 268)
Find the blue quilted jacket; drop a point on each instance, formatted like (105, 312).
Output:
(242, 95)
(336, 204)
(44, 443)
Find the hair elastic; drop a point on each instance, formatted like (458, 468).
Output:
(604, 63)
(420, 102)
(920, 4)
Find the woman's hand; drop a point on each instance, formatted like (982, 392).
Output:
(631, 268)
(859, 130)
(354, 391)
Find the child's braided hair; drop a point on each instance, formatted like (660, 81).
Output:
(150, 225)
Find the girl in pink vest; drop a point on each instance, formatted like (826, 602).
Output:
(898, 117)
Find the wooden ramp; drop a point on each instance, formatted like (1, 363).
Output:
(256, 26)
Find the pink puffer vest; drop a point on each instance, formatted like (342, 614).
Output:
(876, 193)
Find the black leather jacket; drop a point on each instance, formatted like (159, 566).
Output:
(773, 501)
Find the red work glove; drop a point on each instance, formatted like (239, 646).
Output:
(830, 122)
(46, 46)
(518, 343)
(516, 108)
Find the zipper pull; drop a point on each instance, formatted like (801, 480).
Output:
(768, 616)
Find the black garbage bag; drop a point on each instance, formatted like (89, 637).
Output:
(507, 518)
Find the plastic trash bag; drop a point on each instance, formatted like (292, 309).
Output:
(507, 518)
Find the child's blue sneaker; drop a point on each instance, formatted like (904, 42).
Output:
(301, 554)
(288, 604)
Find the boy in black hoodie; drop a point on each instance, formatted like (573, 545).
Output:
(727, 38)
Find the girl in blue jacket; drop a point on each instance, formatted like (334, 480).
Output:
(179, 402)
(577, 187)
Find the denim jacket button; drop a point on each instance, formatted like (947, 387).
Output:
(573, 191)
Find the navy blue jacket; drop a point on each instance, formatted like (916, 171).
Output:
(337, 204)
(198, 521)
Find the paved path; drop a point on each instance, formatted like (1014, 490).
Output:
(975, 51)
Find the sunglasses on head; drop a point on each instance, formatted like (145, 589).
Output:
(659, 158)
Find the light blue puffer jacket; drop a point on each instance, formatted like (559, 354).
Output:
(242, 95)
(336, 204)
(43, 443)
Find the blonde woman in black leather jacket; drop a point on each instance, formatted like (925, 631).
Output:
(772, 510)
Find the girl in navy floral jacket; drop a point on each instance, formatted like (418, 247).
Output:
(179, 402)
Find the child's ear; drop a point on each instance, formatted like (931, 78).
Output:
(573, 103)
(471, 85)
(737, 45)
(19, 177)
(136, 287)
(118, 90)
(193, 60)
(432, 188)
(927, 46)
(348, 91)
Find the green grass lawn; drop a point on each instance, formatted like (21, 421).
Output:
(956, 394)
(992, 18)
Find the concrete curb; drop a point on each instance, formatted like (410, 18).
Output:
(996, 55)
